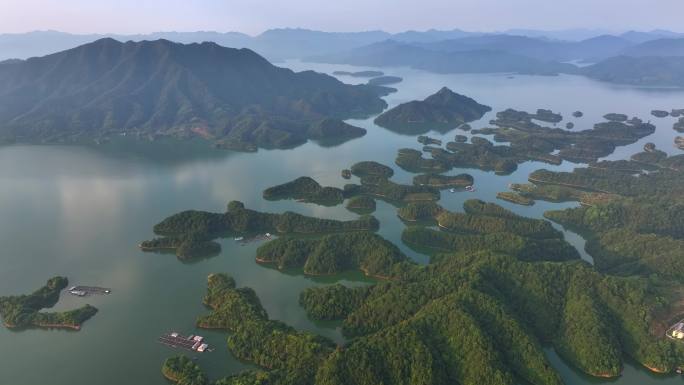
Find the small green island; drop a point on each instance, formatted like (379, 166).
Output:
(24, 311)
(578, 114)
(514, 197)
(660, 113)
(443, 181)
(305, 189)
(371, 168)
(442, 112)
(191, 234)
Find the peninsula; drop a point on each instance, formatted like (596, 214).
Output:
(24, 311)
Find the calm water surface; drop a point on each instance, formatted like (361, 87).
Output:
(80, 212)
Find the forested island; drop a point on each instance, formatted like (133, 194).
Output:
(443, 181)
(305, 189)
(191, 231)
(383, 188)
(442, 111)
(484, 226)
(361, 204)
(232, 98)
(24, 311)
(332, 254)
(368, 168)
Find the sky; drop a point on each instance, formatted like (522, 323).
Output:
(255, 16)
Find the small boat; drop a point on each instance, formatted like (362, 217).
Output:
(268, 235)
(453, 190)
(679, 370)
(238, 239)
(470, 188)
(78, 293)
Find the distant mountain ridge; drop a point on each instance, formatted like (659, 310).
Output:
(287, 43)
(151, 88)
(391, 53)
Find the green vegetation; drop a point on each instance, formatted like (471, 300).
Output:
(570, 125)
(191, 233)
(305, 189)
(361, 204)
(385, 189)
(367, 168)
(524, 248)
(515, 198)
(631, 218)
(412, 160)
(578, 114)
(333, 254)
(481, 318)
(292, 357)
(186, 247)
(232, 98)
(461, 138)
(442, 111)
(24, 311)
(660, 113)
(420, 211)
(443, 181)
(331, 302)
(183, 371)
(484, 226)
(426, 140)
(556, 193)
(469, 223)
(530, 141)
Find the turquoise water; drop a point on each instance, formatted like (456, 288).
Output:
(81, 211)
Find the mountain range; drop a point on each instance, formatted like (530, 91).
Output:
(287, 43)
(231, 96)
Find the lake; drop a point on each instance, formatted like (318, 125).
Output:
(80, 212)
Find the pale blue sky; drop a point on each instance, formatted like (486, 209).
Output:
(254, 16)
